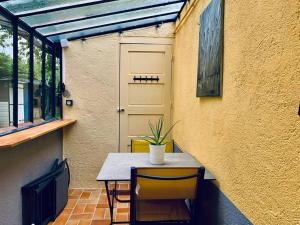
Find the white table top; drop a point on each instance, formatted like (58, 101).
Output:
(117, 166)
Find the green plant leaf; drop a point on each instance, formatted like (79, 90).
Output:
(160, 126)
(148, 137)
(156, 131)
(150, 142)
(166, 134)
(152, 129)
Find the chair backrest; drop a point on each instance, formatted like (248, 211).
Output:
(142, 146)
(166, 183)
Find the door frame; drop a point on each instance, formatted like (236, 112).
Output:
(146, 41)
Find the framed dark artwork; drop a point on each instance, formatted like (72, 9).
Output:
(210, 62)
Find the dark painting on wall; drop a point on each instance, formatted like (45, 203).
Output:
(209, 82)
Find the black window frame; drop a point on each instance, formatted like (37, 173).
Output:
(56, 53)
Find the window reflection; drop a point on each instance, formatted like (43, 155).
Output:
(58, 90)
(48, 86)
(23, 77)
(37, 80)
(45, 92)
(6, 75)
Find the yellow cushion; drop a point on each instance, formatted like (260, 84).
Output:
(142, 146)
(161, 210)
(166, 189)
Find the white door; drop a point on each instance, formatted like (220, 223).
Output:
(145, 89)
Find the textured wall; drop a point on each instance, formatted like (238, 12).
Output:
(21, 165)
(249, 138)
(91, 77)
(215, 207)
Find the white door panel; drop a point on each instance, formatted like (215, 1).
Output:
(143, 100)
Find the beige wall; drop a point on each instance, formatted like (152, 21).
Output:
(249, 138)
(23, 164)
(91, 77)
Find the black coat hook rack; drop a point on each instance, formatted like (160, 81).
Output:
(145, 78)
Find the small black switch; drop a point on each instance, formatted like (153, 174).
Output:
(69, 102)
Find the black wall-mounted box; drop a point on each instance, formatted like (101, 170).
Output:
(69, 102)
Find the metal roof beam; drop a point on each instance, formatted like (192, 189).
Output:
(108, 24)
(123, 29)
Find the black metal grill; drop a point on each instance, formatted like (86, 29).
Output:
(44, 198)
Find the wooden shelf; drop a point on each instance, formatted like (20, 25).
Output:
(20, 137)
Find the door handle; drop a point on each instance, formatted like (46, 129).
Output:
(120, 109)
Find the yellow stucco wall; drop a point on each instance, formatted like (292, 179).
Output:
(250, 138)
(91, 71)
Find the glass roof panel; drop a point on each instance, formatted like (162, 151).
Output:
(22, 6)
(91, 11)
(115, 28)
(57, 19)
(112, 19)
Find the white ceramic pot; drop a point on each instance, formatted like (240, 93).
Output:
(157, 154)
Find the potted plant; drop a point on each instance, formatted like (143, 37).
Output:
(157, 142)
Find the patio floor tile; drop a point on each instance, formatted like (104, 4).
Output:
(122, 217)
(99, 214)
(90, 207)
(71, 204)
(79, 208)
(100, 222)
(80, 216)
(75, 192)
(85, 222)
(72, 222)
(85, 195)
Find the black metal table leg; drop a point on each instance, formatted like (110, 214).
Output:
(110, 202)
(111, 199)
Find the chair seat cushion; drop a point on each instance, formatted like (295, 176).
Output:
(162, 210)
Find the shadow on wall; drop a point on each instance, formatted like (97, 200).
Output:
(203, 100)
(216, 208)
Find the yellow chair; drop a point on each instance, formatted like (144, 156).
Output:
(160, 194)
(142, 146)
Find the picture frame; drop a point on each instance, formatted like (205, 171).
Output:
(210, 61)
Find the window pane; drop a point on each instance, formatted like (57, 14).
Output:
(23, 84)
(6, 75)
(20, 6)
(28, 5)
(37, 81)
(48, 86)
(58, 90)
(118, 18)
(93, 10)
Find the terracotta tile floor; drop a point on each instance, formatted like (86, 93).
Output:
(90, 207)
